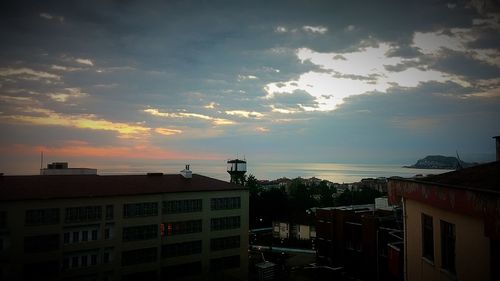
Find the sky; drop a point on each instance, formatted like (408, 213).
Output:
(129, 83)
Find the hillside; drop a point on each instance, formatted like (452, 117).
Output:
(440, 162)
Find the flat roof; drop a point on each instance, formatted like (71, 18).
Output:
(13, 188)
(484, 177)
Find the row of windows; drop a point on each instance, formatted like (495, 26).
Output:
(194, 247)
(72, 215)
(224, 263)
(83, 214)
(447, 242)
(180, 270)
(181, 249)
(94, 213)
(224, 243)
(225, 203)
(182, 206)
(140, 209)
(77, 236)
(42, 216)
(139, 256)
(141, 232)
(83, 259)
(224, 223)
(41, 243)
(44, 243)
(182, 227)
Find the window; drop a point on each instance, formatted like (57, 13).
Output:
(41, 243)
(183, 227)
(3, 219)
(76, 236)
(225, 223)
(80, 259)
(66, 238)
(74, 262)
(42, 216)
(181, 249)
(448, 246)
(93, 259)
(46, 270)
(225, 203)
(223, 243)
(83, 214)
(110, 210)
(85, 235)
(84, 261)
(142, 232)
(140, 209)
(139, 256)
(180, 270)
(181, 206)
(80, 234)
(427, 237)
(224, 263)
(94, 234)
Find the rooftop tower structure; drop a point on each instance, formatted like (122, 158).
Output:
(237, 169)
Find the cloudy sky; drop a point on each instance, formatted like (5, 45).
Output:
(98, 83)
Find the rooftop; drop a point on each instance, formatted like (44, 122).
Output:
(484, 177)
(51, 187)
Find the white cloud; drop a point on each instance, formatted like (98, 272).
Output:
(246, 114)
(211, 105)
(181, 115)
(65, 68)
(280, 29)
(46, 16)
(283, 110)
(247, 77)
(315, 29)
(262, 129)
(84, 61)
(350, 28)
(356, 73)
(69, 93)
(167, 132)
(28, 74)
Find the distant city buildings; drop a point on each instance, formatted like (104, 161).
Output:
(126, 227)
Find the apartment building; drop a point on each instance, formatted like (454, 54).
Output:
(452, 224)
(122, 227)
(360, 240)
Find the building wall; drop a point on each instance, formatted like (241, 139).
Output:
(14, 259)
(471, 245)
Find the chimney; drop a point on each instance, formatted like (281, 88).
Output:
(497, 138)
(186, 173)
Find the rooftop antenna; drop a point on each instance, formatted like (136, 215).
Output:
(41, 159)
(459, 163)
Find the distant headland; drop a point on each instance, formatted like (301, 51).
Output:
(440, 162)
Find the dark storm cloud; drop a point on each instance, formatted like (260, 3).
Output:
(466, 65)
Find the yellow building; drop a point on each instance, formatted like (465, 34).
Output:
(123, 227)
(451, 224)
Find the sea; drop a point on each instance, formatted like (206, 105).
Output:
(334, 172)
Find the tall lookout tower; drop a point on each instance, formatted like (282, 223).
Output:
(237, 169)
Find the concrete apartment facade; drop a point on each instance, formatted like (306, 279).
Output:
(452, 224)
(133, 227)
